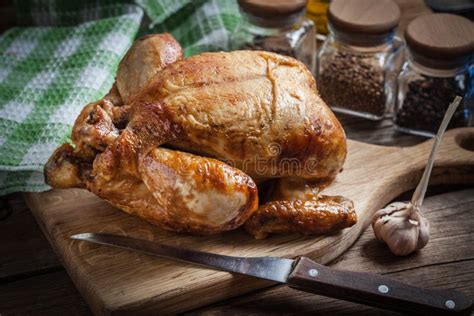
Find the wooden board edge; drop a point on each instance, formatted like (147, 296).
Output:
(96, 305)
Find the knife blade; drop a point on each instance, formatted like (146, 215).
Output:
(307, 275)
(269, 268)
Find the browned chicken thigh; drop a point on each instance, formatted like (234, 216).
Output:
(183, 142)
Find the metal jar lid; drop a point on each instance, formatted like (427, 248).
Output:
(440, 40)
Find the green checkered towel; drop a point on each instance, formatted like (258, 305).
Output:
(49, 71)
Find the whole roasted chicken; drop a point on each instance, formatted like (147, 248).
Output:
(184, 143)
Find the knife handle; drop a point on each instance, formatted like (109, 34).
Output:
(375, 290)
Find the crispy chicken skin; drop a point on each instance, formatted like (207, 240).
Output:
(149, 55)
(227, 121)
(323, 215)
(179, 191)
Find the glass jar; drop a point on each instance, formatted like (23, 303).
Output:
(360, 60)
(283, 30)
(358, 80)
(424, 95)
(438, 68)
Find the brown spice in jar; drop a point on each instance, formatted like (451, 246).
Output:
(352, 82)
(274, 44)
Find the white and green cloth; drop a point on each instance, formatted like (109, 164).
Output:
(67, 55)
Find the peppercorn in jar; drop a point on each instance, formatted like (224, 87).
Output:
(360, 59)
(438, 68)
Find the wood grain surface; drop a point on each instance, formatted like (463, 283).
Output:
(113, 280)
(446, 262)
(439, 265)
(272, 9)
(365, 288)
(17, 226)
(364, 16)
(441, 36)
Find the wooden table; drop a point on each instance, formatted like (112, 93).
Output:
(33, 281)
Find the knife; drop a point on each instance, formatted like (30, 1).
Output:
(309, 276)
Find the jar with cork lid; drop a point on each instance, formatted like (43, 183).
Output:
(278, 26)
(438, 68)
(359, 62)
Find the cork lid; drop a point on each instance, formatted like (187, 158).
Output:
(364, 16)
(273, 8)
(441, 36)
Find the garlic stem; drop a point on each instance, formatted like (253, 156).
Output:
(419, 195)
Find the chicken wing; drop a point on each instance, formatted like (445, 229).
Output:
(322, 215)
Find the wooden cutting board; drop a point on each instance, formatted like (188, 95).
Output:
(119, 281)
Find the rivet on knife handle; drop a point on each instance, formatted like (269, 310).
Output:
(375, 290)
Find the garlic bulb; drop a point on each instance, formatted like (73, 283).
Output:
(402, 227)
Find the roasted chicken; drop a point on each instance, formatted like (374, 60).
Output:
(183, 143)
